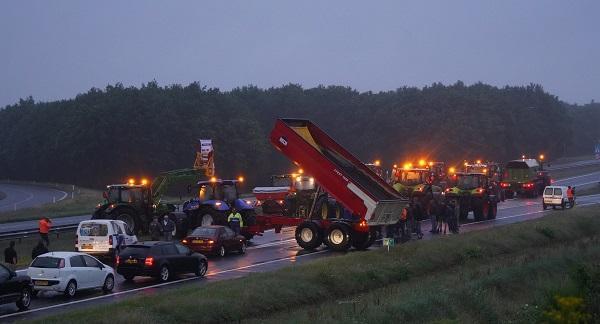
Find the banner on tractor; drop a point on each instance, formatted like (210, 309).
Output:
(205, 157)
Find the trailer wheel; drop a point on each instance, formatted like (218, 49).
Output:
(308, 235)
(339, 236)
(362, 241)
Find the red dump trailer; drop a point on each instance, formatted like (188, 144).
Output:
(361, 191)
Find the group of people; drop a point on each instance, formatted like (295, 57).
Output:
(161, 229)
(10, 253)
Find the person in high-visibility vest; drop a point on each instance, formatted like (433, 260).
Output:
(235, 221)
(571, 196)
(44, 227)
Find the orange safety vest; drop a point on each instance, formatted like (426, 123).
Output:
(570, 193)
(44, 226)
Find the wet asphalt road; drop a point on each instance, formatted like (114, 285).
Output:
(26, 196)
(270, 252)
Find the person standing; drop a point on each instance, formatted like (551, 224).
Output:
(45, 224)
(155, 229)
(10, 255)
(433, 207)
(235, 221)
(39, 249)
(168, 226)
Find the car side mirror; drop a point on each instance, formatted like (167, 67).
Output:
(100, 265)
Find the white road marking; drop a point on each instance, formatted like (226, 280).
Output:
(157, 285)
(22, 201)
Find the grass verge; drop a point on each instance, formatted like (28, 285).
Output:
(64, 241)
(82, 203)
(351, 274)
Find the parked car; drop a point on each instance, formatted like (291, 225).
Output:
(69, 272)
(103, 238)
(215, 240)
(15, 288)
(159, 259)
(555, 196)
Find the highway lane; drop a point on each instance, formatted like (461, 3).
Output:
(270, 252)
(273, 251)
(27, 196)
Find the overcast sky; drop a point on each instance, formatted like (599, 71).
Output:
(56, 49)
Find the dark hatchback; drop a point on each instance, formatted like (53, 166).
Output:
(15, 288)
(215, 240)
(159, 259)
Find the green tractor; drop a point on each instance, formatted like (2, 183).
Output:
(415, 182)
(137, 204)
(474, 192)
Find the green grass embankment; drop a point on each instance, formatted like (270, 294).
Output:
(82, 202)
(465, 262)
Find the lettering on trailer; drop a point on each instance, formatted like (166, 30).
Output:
(341, 175)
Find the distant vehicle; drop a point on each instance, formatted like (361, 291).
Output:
(159, 259)
(555, 196)
(15, 288)
(526, 177)
(69, 272)
(103, 237)
(215, 240)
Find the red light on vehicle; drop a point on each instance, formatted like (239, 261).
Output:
(504, 185)
(527, 185)
(149, 261)
(184, 241)
(280, 202)
(363, 223)
(211, 242)
(117, 260)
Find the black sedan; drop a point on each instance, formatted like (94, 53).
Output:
(215, 240)
(15, 288)
(159, 259)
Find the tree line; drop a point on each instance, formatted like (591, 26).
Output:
(107, 135)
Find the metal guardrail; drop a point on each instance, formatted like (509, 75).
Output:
(19, 235)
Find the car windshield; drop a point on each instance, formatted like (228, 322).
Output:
(93, 229)
(469, 182)
(47, 262)
(205, 232)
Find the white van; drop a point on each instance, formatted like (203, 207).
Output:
(103, 237)
(555, 196)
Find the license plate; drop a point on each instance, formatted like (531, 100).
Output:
(131, 261)
(87, 246)
(41, 283)
(197, 241)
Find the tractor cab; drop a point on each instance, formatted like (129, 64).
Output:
(127, 194)
(471, 180)
(294, 181)
(218, 190)
(411, 176)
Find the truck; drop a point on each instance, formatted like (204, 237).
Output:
(525, 177)
(473, 192)
(370, 201)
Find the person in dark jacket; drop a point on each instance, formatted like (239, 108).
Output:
(451, 218)
(39, 249)
(10, 254)
(155, 229)
(416, 220)
(167, 226)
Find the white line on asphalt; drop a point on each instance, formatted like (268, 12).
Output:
(156, 285)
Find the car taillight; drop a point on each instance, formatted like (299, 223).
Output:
(117, 260)
(110, 240)
(211, 242)
(149, 261)
(184, 241)
(504, 185)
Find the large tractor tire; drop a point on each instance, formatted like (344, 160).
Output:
(463, 211)
(210, 216)
(492, 210)
(479, 209)
(130, 219)
(339, 236)
(322, 208)
(308, 235)
(362, 241)
(249, 217)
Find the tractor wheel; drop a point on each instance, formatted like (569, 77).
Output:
(463, 212)
(308, 235)
(249, 217)
(492, 211)
(339, 236)
(321, 210)
(337, 211)
(209, 216)
(478, 209)
(362, 241)
(129, 219)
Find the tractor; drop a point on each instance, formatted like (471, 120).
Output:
(420, 184)
(525, 177)
(215, 200)
(474, 192)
